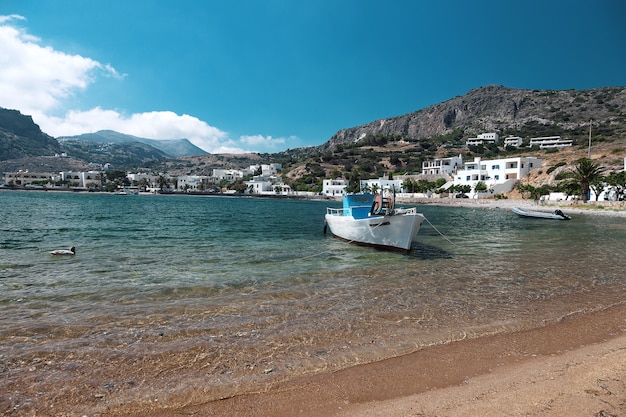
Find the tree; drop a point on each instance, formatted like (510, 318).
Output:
(163, 182)
(409, 185)
(598, 186)
(617, 181)
(440, 182)
(480, 186)
(586, 172)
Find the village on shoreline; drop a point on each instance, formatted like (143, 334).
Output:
(605, 208)
(484, 183)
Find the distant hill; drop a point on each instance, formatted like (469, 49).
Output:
(174, 148)
(126, 155)
(24, 146)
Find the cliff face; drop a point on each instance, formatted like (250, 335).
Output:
(503, 110)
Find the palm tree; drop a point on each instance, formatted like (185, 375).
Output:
(585, 173)
(163, 182)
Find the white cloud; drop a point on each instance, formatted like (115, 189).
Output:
(35, 79)
(38, 80)
(266, 142)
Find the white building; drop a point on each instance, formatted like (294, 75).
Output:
(82, 178)
(229, 175)
(23, 178)
(334, 187)
(499, 175)
(550, 142)
(442, 166)
(513, 141)
(267, 184)
(190, 183)
(483, 138)
(260, 185)
(381, 184)
(270, 169)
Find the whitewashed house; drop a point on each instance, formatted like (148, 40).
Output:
(381, 184)
(550, 142)
(482, 139)
(442, 166)
(189, 183)
(334, 187)
(515, 141)
(229, 175)
(260, 185)
(499, 175)
(82, 178)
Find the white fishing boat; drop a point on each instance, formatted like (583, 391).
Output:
(370, 220)
(555, 215)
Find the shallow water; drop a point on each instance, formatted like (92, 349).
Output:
(174, 295)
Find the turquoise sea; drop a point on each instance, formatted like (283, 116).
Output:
(172, 297)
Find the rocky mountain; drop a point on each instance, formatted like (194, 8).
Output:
(20, 137)
(173, 148)
(506, 111)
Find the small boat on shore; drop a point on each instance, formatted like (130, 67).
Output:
(371, 220)
(555, 215)
(64, 252)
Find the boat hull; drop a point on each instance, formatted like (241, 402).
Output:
(393, 232)
(557, 215)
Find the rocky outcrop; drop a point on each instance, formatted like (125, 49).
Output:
(503, 110)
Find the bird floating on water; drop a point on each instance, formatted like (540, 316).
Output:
(71, 251)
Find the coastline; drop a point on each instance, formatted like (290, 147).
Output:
(611, 208)
(602, 208)
(574, 367)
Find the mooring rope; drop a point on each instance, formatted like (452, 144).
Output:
(441, 234)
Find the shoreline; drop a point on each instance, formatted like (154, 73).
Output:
(615, 208)
(572, 367)
(601, 208)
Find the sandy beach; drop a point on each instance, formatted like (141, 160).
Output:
(574, 367)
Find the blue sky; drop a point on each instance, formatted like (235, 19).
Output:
(268, 75)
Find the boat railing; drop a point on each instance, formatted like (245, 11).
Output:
(338, 211)
(347, 211)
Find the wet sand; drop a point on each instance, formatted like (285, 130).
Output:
(575, 367)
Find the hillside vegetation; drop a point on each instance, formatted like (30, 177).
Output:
(380, 148)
